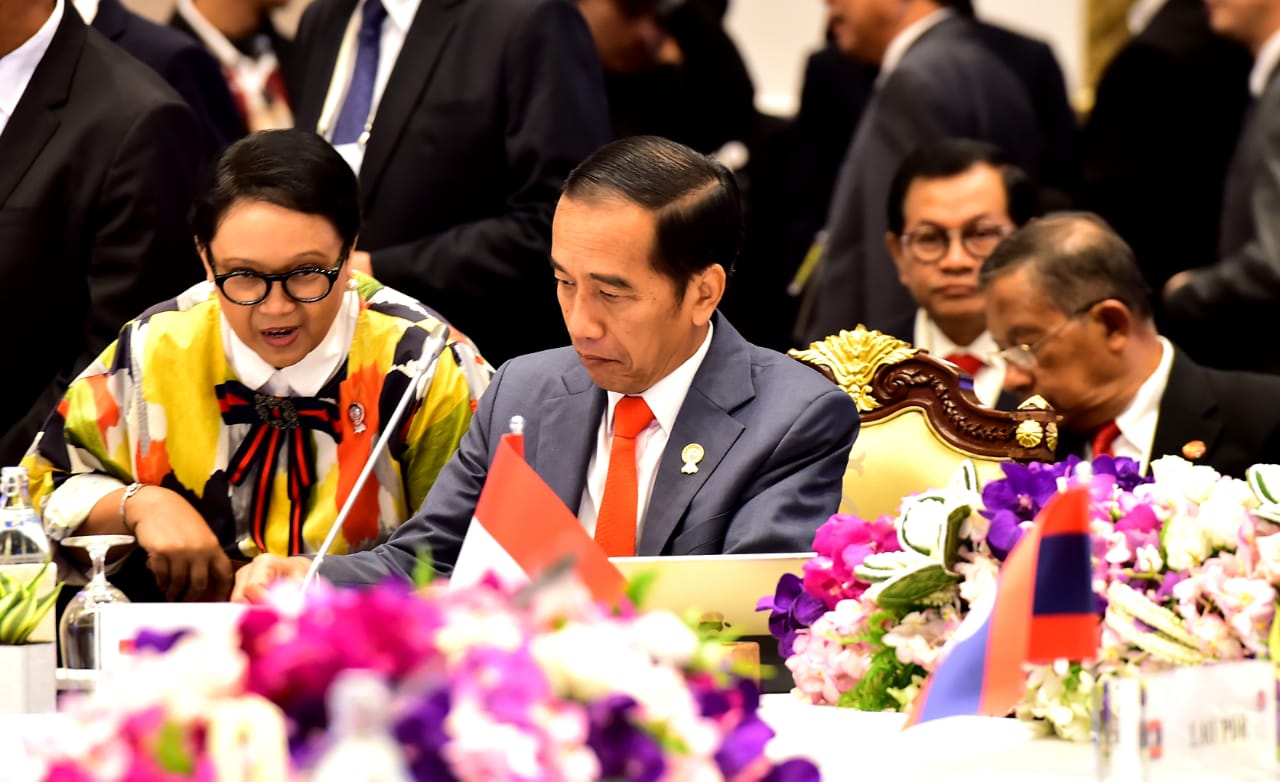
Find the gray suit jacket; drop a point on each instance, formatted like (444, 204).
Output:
(1236, 297)
(947, 84)
(776, 434)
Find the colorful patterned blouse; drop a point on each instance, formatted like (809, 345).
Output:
(162, 406)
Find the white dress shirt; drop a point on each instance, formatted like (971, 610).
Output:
(664, 398)
(18, 66)
(897, 48)
(400, 14)
(1137, 422)
(1141, 13)
(309, 375)
(989, 381)
(1264, 65)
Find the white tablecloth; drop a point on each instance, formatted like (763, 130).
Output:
(849, 745)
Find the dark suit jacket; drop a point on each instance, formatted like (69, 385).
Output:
(1157, 143)
(947, 84)
(230, 121)
(99, 165)
(776, 434)
(1224, 313)
(1232, 413)
(182, 62)
(1033, 62)
(488, 108)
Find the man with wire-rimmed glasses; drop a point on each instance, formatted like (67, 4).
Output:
(950, 204)
(1072, 312)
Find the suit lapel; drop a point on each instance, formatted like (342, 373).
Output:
(422, 47)
(722, 384)
(566, 437)
(325, 47)
(1188, 413)
(35, 118)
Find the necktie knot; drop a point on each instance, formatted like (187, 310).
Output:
(371, 18)
(630, 417)
(968, 363)
(1105, 438)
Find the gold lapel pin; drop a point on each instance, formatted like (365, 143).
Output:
(1194, 449)
(691, 455)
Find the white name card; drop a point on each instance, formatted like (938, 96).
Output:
(1198, 722)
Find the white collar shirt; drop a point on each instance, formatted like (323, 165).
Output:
(1138, 421)
(897, 48)
(989, 381)
(309, 375)
(18, 66)
(1264, 65)
(664, 398)
(400, 15)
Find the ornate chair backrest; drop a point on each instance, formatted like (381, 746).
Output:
(918, 422)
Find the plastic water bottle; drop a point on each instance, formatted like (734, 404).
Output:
(22, 538)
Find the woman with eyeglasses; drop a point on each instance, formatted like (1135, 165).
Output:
(234, 419)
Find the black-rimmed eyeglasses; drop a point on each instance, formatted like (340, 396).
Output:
(930, 243)
(305, 284)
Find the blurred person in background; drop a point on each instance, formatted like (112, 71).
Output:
(98, 165)
(254, 56)
(461, 120)
(1222, 312)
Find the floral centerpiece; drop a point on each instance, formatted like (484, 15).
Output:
(439, 684)
(1185, 565)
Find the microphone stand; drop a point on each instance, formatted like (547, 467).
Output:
(435, 346)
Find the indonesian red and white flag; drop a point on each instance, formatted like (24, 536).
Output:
(521, 528)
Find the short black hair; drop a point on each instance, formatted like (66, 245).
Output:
(1077, 260)
(952, 157)
(293, 169)
(694, 199)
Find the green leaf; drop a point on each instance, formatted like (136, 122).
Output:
(914, 588)
(42, 607)
(951, 538)
(14, 620)
(424, 570)
(640, 586)
(171, 750)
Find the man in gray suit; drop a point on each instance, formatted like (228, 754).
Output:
(936, 80)
(1223, 312)
(737, 449)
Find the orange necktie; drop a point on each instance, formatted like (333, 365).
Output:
(616, 522)
(1104, 438)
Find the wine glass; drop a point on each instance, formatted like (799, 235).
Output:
(79, 629)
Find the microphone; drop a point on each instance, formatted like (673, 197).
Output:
(434, 346)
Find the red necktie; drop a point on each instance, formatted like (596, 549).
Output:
(968, 362)
(1104, 438)
(616, 522)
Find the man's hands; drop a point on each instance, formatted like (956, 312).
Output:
(253, 579)
(182, 552)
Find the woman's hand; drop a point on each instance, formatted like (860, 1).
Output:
(182, 552)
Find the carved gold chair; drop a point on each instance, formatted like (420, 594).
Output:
(918, 423)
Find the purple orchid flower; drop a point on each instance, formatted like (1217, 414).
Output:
(420, 730)
(795, 770)
(743, 747)
(625, 751)
(792, 610)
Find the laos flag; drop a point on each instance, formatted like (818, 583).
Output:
(1042, 609)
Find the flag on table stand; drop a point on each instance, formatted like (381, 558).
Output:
(1043, 609)
(521, 529)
